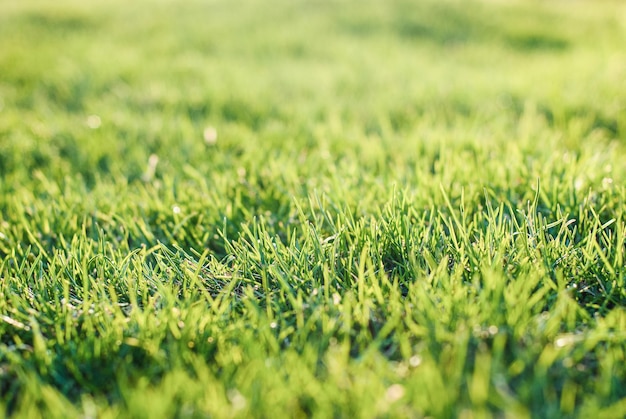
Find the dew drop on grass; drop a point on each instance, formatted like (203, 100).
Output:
(236, 399)
(565, 341)
(415, 361)
(153, 161)
(210, 135)
(578, 184)
(94, 121)
(394, 393)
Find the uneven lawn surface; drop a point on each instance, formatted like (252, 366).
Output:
(312, 208)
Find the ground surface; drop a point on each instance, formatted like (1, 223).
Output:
(312, 208)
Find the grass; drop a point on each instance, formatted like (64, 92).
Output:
(326, 209)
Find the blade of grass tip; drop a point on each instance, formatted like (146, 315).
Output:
(601, 254)
(463, 248)
(32, 237)
(255, 246)
(426, 237)
(194, 277)
(535, 203)
(618, 260)
(446, 221)
(363, 258)
(324, 212)
(288, 292)
(225, 299)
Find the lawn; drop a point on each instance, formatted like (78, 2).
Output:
(312, 208)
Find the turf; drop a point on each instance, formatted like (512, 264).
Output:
(312, 208)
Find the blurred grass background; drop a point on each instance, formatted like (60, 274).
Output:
(306, 160)
(156, 73)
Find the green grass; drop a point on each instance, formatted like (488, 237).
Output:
(411, 209)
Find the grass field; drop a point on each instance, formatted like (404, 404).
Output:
(312, 208)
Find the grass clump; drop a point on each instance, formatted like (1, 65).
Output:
(382, 209)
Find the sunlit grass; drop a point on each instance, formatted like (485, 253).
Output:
(331, 209)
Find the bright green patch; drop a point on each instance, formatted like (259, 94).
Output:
(312, 208)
